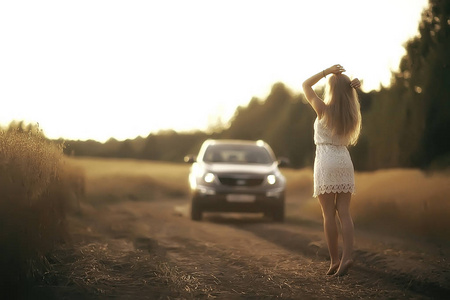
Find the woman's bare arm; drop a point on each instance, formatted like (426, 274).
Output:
(315, 101)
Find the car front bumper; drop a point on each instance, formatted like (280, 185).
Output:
(239, 201)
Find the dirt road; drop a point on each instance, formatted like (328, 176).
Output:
(152, 250)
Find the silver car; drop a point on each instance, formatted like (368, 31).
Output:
(236, 176)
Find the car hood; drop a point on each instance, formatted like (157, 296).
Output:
(241, 168)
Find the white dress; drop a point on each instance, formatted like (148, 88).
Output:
(333, 167)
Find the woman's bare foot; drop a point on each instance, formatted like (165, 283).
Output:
(344, 267)
(333, 268)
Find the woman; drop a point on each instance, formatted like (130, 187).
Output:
(337, 125)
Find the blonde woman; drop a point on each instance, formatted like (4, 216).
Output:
(337, 126)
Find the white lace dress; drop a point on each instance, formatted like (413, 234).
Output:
(333, 167)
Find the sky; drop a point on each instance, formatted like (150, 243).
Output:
(101, 69)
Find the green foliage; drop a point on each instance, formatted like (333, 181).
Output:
(172, 146)
(282, 120)
(408, 123)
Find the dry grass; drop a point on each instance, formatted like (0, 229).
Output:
(395, 200)
(117, 179)
(404, 201)
(107, 266)
(34, 187)
(299, 182)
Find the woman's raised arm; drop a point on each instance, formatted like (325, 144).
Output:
(315, 101)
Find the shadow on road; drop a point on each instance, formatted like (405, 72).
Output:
(305, 237)
(295, 234)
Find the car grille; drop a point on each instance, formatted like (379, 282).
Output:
(232, 181)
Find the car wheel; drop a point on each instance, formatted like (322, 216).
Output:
(196, 212)
(278, 215)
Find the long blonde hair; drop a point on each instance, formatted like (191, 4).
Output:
(342, 114)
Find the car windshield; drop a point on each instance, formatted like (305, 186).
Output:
(237, 154)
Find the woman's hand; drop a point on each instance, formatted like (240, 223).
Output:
(336, 69)
(356, 84)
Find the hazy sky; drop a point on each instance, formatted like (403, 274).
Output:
(100, 69)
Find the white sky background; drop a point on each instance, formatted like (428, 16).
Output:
(100, 69)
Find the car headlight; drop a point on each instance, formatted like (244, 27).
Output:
(271, 179)
(209, 177)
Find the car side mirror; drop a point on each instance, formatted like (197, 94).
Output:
(190, 159)
(283, 162)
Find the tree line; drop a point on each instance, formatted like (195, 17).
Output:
(404, 125)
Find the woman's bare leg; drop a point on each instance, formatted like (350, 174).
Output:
(327, 202)
(347, 228)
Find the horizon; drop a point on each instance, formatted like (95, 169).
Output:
(106, 69)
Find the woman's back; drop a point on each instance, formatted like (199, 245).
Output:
(325, 136)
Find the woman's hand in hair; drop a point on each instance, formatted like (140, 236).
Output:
(356, 84)
(336, 69)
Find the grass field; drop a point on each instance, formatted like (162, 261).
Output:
(39, 185)
(394, 200)
(118, 179)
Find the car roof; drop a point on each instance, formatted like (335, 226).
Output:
(234, 141)
(218, 142)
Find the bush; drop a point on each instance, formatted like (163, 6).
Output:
(33, 191)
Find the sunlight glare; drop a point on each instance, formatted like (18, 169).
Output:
(95, 70)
